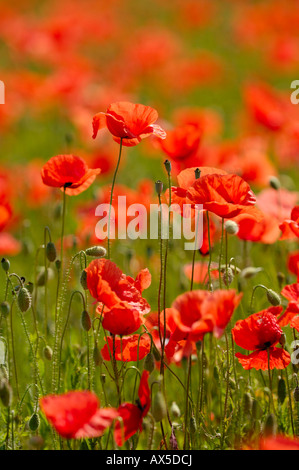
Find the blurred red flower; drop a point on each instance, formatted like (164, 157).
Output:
(76, 414)
(132, 415)
(290, 227)
(260, 332)
(182, 142)
(70, 172)
(127, 349)
(129, 122)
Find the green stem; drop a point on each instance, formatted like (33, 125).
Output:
(111, 199)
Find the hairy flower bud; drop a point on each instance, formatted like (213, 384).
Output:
(231, 227)
(149, 362)
(34, 422)
(5, 264)
(51, 252)
(97, 356)
(83, 280)
(24, 299)
(5, 309)
(96, 251)
(270, 426)
(85, 321)
(159, 187)
(159, 410)
(48, 353)
(273, 297)
(274, 183)
(281, 390)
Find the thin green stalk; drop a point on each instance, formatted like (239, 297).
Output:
(111, 198)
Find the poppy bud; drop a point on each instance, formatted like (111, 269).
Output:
(249, 272)
(174, 410)
(197, 173)
(167, 165)
(97, 356)
(24, 299)
(228, 277)
(296, 394)
(256, 410)
(41, 278)
(34, 422)
(270, 426)
(282, 340)
(5, 264)
(96, 251)
(273, 297)
(231, 227)
(51, 252)
(58, 211)
(85, 321)
(156, 353)
(83, 280)
(274, 183)
(103, 379)
(159, 410)
(5, 309)
(247, 403)
(159, 187)
(281, 390)
(58, 264)
(5, 393)
(216, 373)
(192, 425)
(48, 353)
(149, 362)
(281, 279)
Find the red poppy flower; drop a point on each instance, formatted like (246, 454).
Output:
(224, 195)
(262, 231)
(279, 443)
(107, 284)
(265, 106)
(9, 245)
(293, 263)
(132, 415)
(200, 312)
(290, 227)
(290, 292)
(200, 275)
(260, 332)
(127, 349)
(5, 214)
(70, 172)
(182, 142)
(76, 414)
(122, 319)
(277, 204)
(129, 122)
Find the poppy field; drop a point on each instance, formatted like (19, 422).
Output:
(149, 225)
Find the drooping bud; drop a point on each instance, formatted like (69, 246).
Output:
(96, 251)
(296, 394)
(43, 276)
(159, 187)
(231, 227)
(282, 340)
(273, 297)
(85, 321)
(193, 425)
(5, 309)
(159, 409)
(48, 353)
(270, 426)
(281, 390)
(250, 271)
(167, 165)
(5, 264)
(58, 264)
(174, 410)
(83, 280)
(274, 183)
(149, 362)
(156, 353)
(24, 300)
(34, 422)
(5, 393)
(51, 252)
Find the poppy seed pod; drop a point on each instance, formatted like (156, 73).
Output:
(167, 165)
(274, 183)
(24, 299)
(281, 390)
(5, 264)
(96, 251)
(228, 277)
(149, 362)
(51, 252)
(5, 309)
(270, 426)
(231, 227)
(48, 353)
(159, 187)
(296, 394)
(159, 409)
(273, 297)
(34, 422)
(83, 280)
(85, 321)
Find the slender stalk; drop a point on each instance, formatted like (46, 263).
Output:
(111, 199)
